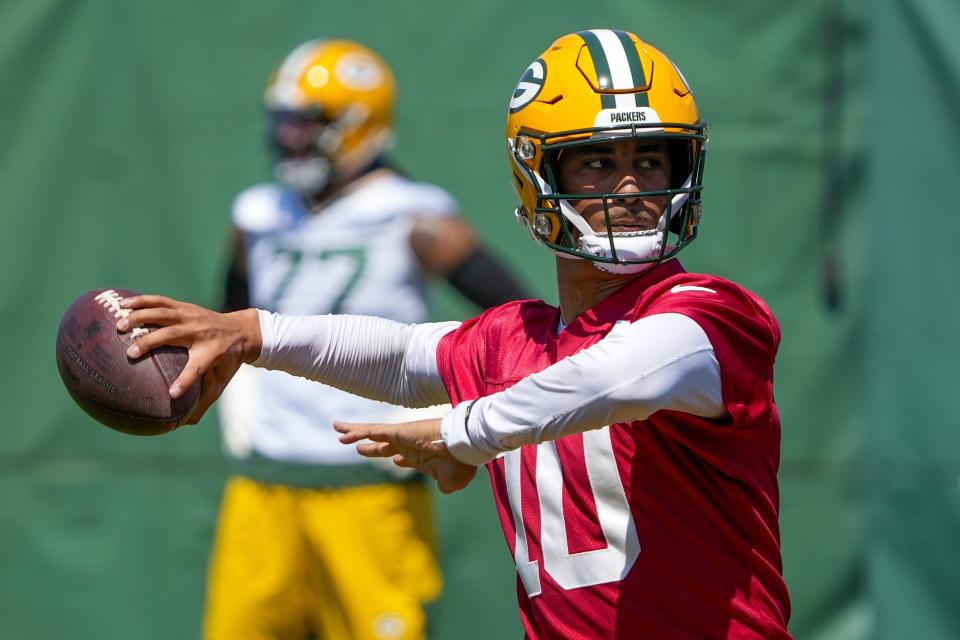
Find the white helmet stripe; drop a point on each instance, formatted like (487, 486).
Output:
(284, 91)
(620, 74)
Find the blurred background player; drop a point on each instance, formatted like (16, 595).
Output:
(314, 541)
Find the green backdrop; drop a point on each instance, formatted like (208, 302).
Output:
(128, 126)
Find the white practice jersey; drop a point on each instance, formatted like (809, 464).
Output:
(353, 257)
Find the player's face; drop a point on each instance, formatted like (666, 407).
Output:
(296, 135)
(624, 167)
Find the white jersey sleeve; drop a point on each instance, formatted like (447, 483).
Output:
(432, 201)
(662, 361)
(364, 355)
(264, 208)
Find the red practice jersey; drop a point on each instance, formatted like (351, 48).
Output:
(658, 528)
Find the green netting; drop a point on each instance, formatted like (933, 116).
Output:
(911, 405)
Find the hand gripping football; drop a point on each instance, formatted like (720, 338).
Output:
(131, 396)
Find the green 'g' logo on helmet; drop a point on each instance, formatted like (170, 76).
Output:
(531, 82)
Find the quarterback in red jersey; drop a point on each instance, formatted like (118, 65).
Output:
(630, 434)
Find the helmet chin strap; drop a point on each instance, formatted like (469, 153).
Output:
(630, 246)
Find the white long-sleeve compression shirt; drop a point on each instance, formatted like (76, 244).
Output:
(658, 362)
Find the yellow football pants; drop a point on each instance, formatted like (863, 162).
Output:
(352, 563)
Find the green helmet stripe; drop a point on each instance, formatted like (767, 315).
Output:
(636, 67)
(607, 100)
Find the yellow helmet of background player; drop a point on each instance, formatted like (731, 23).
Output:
(601, 85)
(332, 104)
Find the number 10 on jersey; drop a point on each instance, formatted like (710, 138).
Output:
(574, 570)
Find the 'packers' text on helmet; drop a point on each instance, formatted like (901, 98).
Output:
(602, 85)
(332, 107)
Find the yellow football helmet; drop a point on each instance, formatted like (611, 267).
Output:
(591, 86)
(332, 108)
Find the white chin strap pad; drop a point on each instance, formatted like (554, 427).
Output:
(306, 175)
(639, 245)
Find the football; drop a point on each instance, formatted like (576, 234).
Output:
(131, 396)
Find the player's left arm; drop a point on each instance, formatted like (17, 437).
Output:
(659, 362)
(447, 247)
(663, 361)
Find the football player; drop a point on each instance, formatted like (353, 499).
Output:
(630, 434)
(313, 540)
